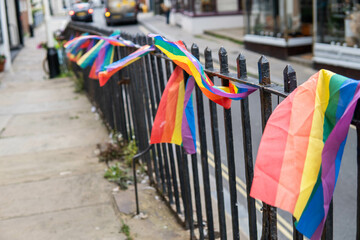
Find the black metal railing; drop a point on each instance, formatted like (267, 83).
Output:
(128, 104)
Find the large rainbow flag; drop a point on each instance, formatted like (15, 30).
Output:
(300, 152)
(174, 121)
(222, 95)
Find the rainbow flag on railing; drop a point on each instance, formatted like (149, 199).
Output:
(114, 39)
(300, 152)
(222, 95)
(174, 121)
(111, 69)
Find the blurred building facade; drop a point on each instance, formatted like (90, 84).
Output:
(279, 28)
(329, 29)
(14, 19)
(195, 16)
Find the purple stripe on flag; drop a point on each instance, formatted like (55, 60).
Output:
(187, 138)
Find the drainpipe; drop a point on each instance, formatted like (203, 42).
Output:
(52, 55)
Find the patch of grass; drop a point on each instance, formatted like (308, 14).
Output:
(110, 153)
(118, 175)
(65, 74)
(74, 117)
(79, 83)
(125, 229)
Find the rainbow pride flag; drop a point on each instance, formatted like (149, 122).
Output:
(299, 156)
(174, 121)
(222, 95)
(77, 48)
(114, 39)
(89, 57)
(111, 69)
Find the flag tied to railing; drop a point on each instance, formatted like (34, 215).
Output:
(174, 121)
(299, 157)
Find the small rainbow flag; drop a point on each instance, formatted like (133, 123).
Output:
(222, 95)
(300, 152)
(114, 39)
(89, 57)
(174, 121)
(111, 69)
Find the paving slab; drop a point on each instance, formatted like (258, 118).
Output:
(49, 164)
(54, 194)
(46, 122)
(51, 141)
(65, 225)
(159, 220)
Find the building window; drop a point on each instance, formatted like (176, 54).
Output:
(281, 18)
(338, 22)
(204, 6)
(227, 5)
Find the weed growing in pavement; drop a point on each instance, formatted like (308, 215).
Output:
(121, 152)
(118, 175)
(130, 152)
(125, 229)
(110, 152)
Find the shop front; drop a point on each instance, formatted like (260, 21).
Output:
(337, 38)
(280, 28)
(196, 16)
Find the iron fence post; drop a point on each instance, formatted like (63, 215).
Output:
(217, 154)
(290, 84)
(269, 228)
(224, 69)
(247, 145)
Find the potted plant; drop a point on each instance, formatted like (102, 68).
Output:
(2, 62)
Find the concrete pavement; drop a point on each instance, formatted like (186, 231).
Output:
(51, 182)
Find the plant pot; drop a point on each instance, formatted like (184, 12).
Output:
(2, 65)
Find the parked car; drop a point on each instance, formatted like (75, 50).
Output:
(81, 12)
(120, 11)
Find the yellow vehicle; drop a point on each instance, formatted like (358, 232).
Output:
(120, 11)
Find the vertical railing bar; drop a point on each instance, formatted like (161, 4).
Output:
(204, 156)
(197, 196)
(269, 225)
(182, 182)
(125, 75)
(188, 199)
(224, 69)
(133, 99)
(327, 233)
(122, 96)
(145, 89)
(164, 145)
(290, 84)
(247, 145)
(171, 157)
(157, 99)
(217, 154)
(357, 118)
(152, 76)
(187, 187)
